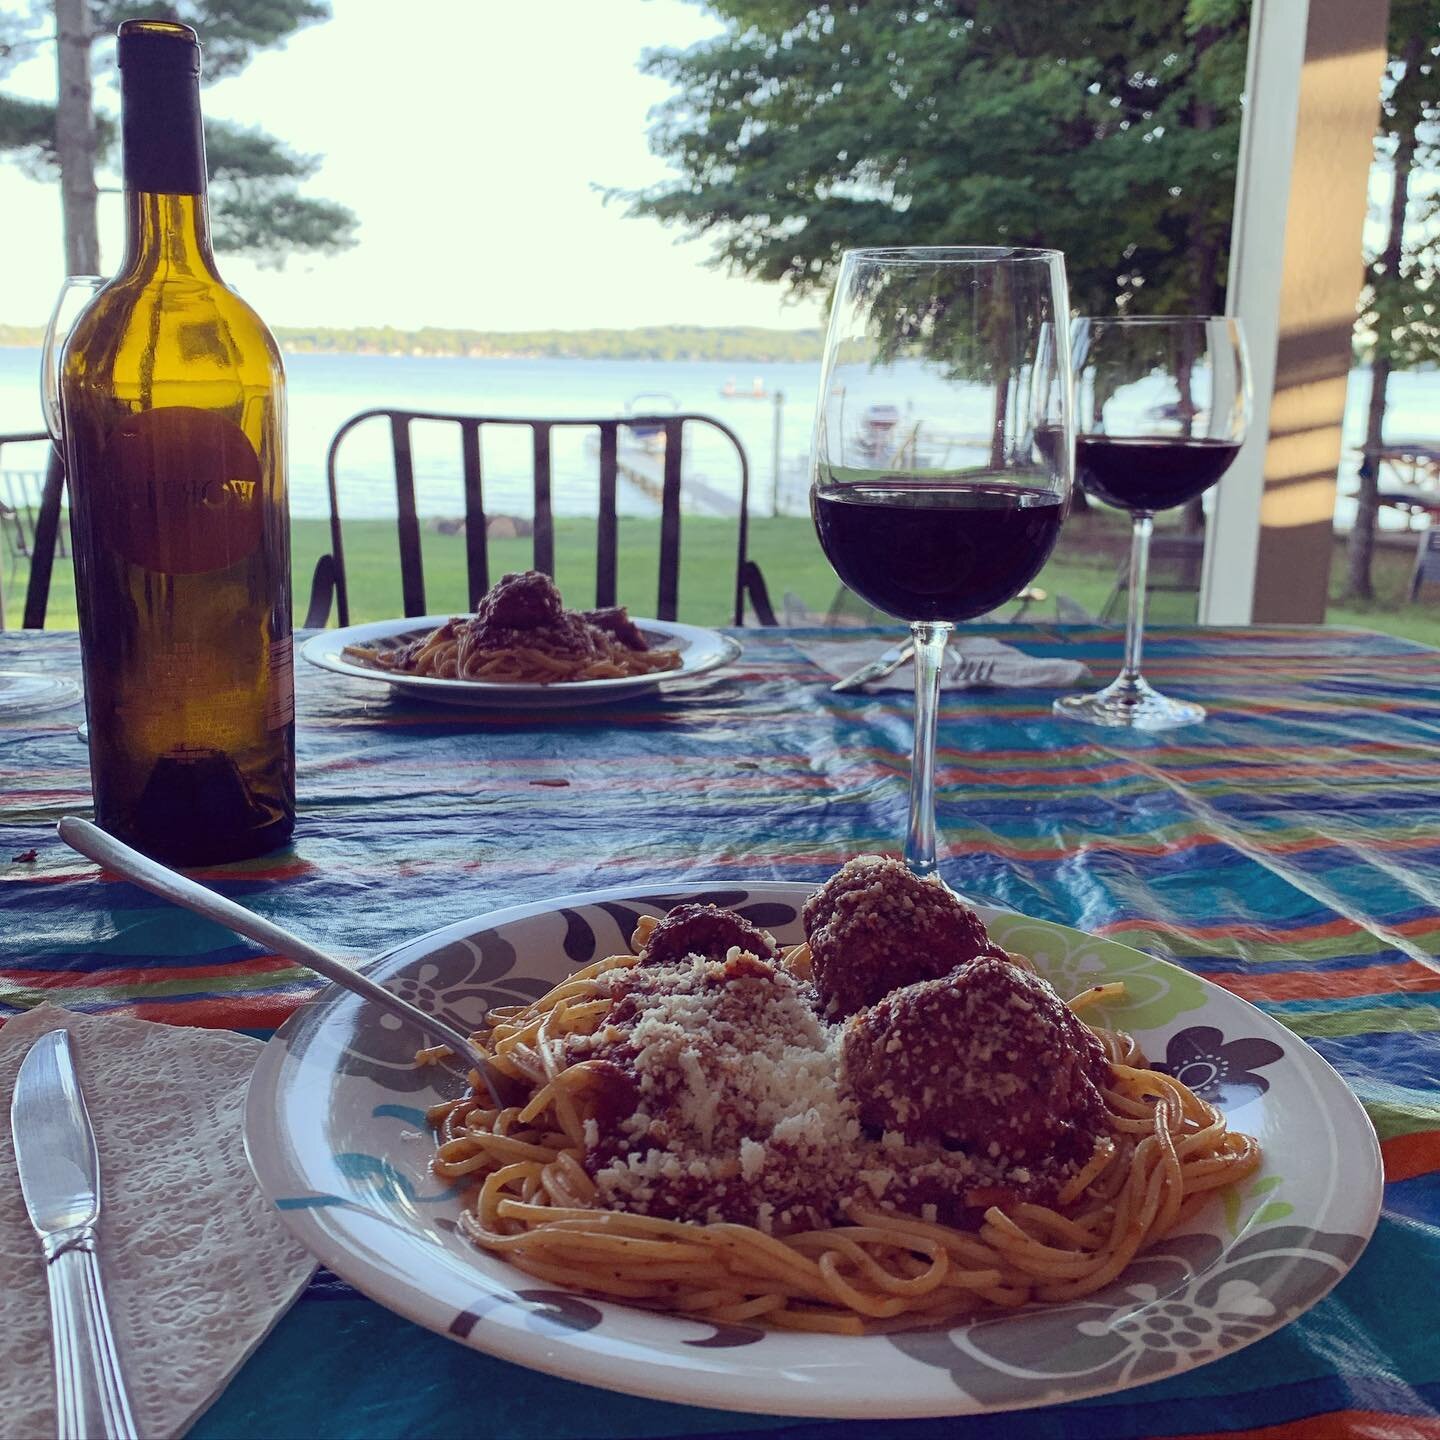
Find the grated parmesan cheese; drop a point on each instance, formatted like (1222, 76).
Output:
(738, 1109)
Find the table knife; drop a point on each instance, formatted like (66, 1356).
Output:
(59, 1169)
(884, 664)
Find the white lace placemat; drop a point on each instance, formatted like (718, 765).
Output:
(197, 1266)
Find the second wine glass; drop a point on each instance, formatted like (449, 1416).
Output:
(942, 454)
(76, 292)
(31, 692)
(1163, 406)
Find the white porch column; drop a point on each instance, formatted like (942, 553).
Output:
(1312, 90)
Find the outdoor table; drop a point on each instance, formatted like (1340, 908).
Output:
(1288, 849)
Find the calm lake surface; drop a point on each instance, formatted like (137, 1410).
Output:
(325, 390)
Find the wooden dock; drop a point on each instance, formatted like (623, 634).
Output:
(645, 470)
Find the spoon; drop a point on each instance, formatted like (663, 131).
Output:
(149, 874)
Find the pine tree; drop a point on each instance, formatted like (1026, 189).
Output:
(256, 206)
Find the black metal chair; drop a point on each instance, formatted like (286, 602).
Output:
(664, 437)
(1176, 563)
(1426, 569)
(36, 532)
(847, 609)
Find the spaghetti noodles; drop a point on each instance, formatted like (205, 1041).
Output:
(619, 1168)
(521, 634)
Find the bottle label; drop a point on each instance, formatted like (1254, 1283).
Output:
(280, 704)
(184, 492)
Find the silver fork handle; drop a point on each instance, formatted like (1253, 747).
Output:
(113, 854)
(877, 669)
(90, 1396)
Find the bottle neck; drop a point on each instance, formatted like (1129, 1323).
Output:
(162, 143)
(168, 235)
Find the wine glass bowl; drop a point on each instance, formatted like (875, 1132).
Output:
(1162, 404)
(32, 692)
(76, 292)
(942, 455)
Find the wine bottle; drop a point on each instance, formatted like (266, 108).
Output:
(173, 404)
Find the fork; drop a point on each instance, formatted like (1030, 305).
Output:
(969, 670)
(973, 670)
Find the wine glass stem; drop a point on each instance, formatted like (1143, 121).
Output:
(929, 657)
(1135, 617)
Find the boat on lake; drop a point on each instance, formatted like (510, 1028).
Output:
(649, 433)
(757, 391)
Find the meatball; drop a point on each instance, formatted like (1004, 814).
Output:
(875, 925)
(568, 636)
(524, 601)
(704, 930)
(989, 1060)
(616, 622)
(698, 1103)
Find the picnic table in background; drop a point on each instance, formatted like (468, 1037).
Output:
(1288, 850)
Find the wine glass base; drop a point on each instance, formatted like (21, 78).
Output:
(23, 692)
(1129, 705)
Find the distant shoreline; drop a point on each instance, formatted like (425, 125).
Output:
(740, 345)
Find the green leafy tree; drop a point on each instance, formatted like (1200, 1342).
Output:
(1400, 304)
(256, 205)
(1109, 130)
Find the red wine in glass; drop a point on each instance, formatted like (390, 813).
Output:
(943, 458)
(941, 549)
(1149, 474)
(1163, 402)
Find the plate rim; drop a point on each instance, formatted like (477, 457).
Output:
(318, 648)
(666, 1382)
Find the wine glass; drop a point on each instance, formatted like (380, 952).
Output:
(76, 292)
(30, 692)
(942, 453)
(1163, 402)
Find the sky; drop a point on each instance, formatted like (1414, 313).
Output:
(469, 137)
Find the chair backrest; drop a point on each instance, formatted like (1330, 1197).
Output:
(664, 432)
(1426, 570)
(1176, 564)
(1177, 561)
(37, 522)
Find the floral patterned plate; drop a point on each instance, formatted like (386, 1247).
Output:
(335, 1132)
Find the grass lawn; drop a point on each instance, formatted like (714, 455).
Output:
(1083, 569)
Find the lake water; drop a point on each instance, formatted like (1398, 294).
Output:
(325, 390)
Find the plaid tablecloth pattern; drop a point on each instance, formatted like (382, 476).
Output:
(1289, 850)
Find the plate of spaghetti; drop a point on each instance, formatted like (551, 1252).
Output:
(852, 1149)
(522, 647)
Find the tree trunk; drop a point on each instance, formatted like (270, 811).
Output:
(998, 436)
(75, 137)
(1194, 512)
(1205, 249)
(1385, 272)
(1208, 300)
(1362, 536)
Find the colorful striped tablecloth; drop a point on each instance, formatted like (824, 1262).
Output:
(1289, 849)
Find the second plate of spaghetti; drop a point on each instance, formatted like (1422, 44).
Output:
(1169, 1176)
(346, 652)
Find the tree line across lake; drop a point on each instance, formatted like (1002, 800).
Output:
(741, 343)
